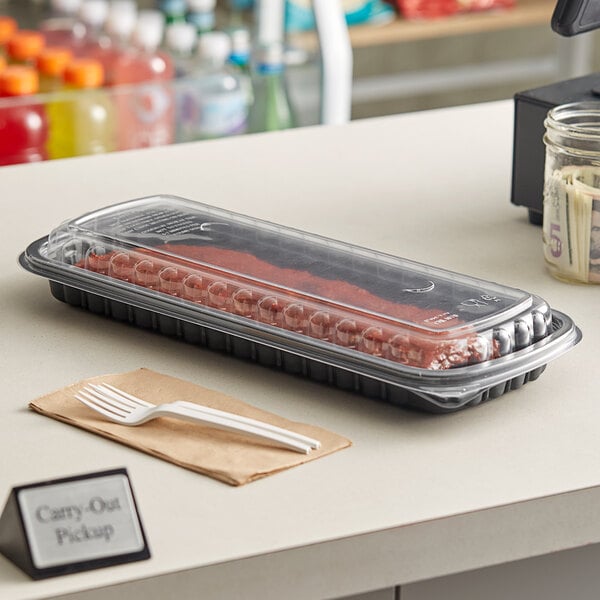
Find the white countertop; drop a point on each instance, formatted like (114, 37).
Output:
(418, 495)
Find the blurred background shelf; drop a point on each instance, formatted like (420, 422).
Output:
(413, 65)
(410, 65)
(525, 13)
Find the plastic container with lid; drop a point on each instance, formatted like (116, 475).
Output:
(23, 123)
(83, 120)
(25, 46)
(386, 327)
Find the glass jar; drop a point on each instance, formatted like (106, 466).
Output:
(571, 225)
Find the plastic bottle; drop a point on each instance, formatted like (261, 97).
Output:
(23, 125)
(93, 15)
(241, 47)
(24, 47)
(239, 58)
(271, 109)
(144, 61)
(63, 27)
(201, 13)
(82, 122)
(145, 112)
(120, 23)
(8, 27)
(180, 41)
(213, 103)
(51, 65)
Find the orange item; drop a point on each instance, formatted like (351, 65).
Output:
(8, 26)
(2, 63)
(53, 61)
(17, 80)
(84, 73)
(25, 46)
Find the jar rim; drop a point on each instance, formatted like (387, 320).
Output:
(560, 118)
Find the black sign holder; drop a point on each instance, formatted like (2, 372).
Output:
(17, 540)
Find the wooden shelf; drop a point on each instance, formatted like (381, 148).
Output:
(526, 13)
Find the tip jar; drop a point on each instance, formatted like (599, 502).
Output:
(571, 224)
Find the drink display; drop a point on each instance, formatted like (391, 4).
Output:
(82, 122)
(169, 74)
(23, 124)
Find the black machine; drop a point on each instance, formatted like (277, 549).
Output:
(570, 17)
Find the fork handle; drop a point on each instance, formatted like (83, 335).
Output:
(248, 421)
(226, 424)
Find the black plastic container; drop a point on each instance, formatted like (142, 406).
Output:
(360, 320)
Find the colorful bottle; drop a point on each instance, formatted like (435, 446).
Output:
(120, 23)
(144, 61)
(23, 125)
(24, 47)
(8, 27)
(93, 15)
(82, 122)
(271, 109)
(201, 14)
(63, 27)
(146, 111)
(51, 65)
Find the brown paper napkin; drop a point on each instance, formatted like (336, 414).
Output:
(230, 457)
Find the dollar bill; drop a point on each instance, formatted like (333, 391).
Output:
(571, 229)
(594, 271)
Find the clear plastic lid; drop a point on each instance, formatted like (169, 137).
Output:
(388, 317)
(330, 290)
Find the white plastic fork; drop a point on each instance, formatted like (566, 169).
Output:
(121, 407)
